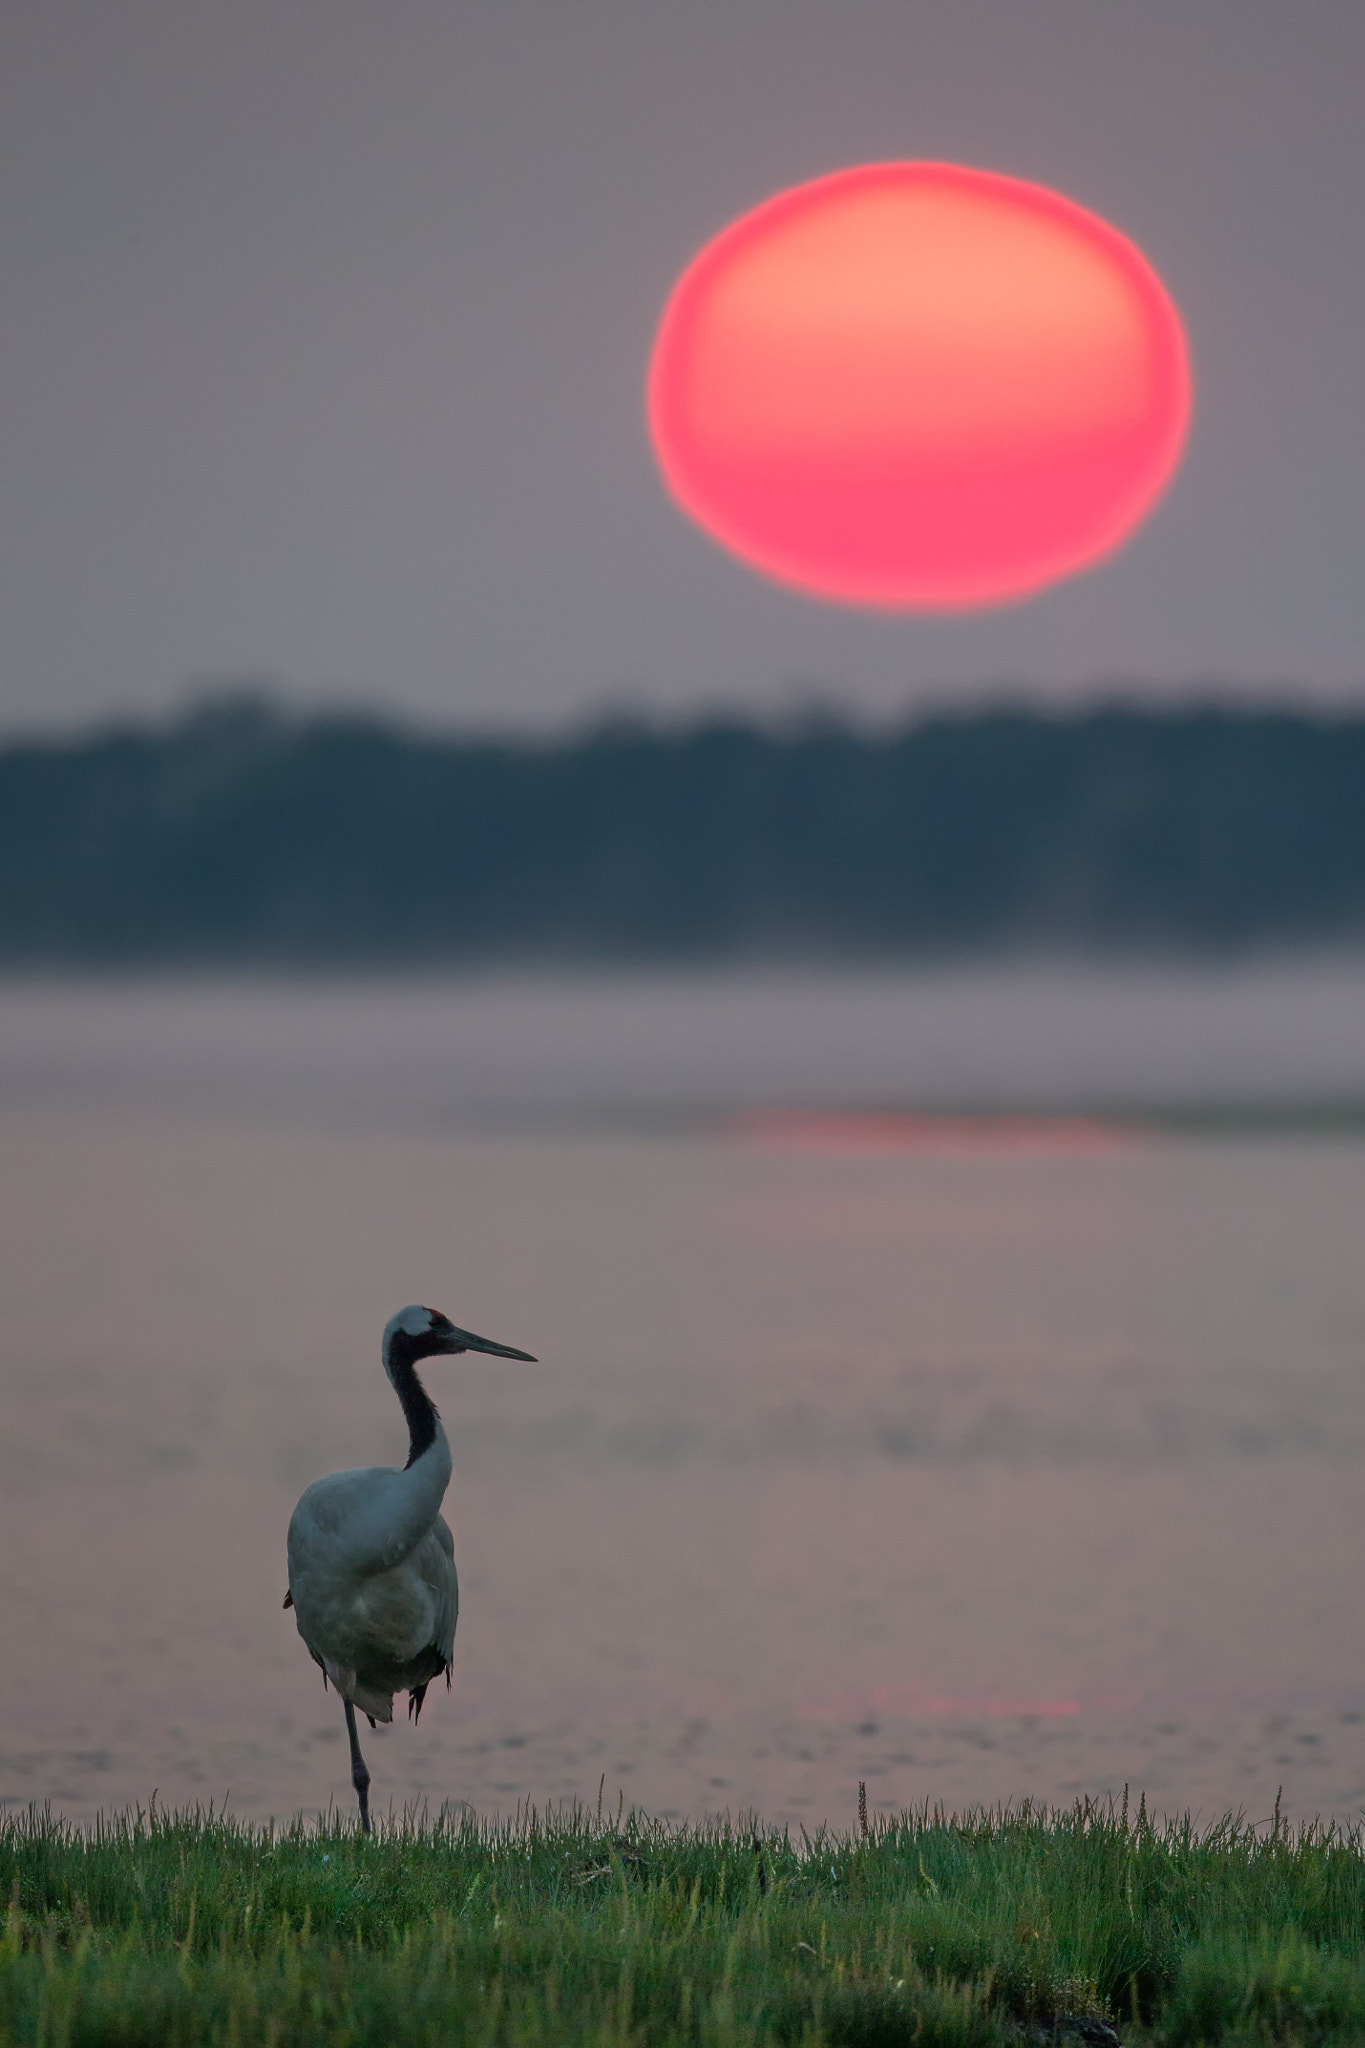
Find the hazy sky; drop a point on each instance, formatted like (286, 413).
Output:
(324, 328)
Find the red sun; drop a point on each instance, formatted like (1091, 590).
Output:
(920, 387)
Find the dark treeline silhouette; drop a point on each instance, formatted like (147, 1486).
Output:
(240, 835)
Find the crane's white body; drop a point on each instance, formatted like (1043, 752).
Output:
(372, 1573)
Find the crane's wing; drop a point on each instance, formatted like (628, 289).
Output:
(435, 1560)
(448, 1593)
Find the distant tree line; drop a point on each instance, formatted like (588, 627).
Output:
(242, 835)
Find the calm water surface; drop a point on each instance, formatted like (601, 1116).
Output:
(974, 1459)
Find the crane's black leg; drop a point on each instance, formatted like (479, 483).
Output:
(360, 1777)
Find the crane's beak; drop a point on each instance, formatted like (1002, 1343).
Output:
(465, 1340)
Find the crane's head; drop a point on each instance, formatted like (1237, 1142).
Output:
(419, 1332)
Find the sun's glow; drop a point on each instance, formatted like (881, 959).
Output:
(915, 385)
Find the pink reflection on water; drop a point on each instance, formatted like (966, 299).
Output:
(912, 1700)
(834, 1131)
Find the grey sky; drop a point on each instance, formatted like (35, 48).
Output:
(324, 327)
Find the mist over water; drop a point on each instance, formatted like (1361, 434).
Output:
(969, 1464)
(486, 1049)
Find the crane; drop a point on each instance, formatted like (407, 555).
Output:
(371, 1562)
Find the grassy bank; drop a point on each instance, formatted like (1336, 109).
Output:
(195, 1929)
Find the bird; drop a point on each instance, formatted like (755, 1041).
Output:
(372, 1578)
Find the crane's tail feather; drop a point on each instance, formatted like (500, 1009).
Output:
(415, 1699)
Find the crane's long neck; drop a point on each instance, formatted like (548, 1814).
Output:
(405, 1503)
(419, 1410)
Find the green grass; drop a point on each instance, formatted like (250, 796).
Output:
(188, 1929)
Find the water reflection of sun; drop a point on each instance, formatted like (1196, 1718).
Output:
(838, 1131)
